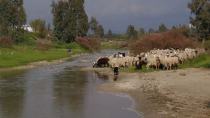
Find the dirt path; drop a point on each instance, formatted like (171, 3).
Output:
(166, 94)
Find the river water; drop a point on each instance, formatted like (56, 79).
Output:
(61, 91)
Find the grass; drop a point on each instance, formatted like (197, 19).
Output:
(22, 54)
(202, 61)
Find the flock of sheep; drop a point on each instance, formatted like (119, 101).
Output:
(167, 59)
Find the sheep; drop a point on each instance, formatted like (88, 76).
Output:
(167, 59)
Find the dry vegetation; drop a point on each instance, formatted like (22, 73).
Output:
(170, 39)
(6, 42)
(91, 44)
(43, 44)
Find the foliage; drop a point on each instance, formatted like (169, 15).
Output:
(90, 44)
(93, 25)
(166, 40)
(22, 55)
(200, 18)
(201, 61)
(74, 46)
(141, 32)
(96, 29)
(12, 18)
(6, 42)
(69, 19)
(109, 33)
(162, 28)
(100, 31)
(82, 25)
(151, 30)
(131, 32)
(207, 46)
(43, 45)
(39, 27)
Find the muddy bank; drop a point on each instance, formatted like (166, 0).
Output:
(165, 94)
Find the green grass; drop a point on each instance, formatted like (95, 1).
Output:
(22, 54)
(202, 61)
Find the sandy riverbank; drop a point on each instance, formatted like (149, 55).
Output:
(165, 94)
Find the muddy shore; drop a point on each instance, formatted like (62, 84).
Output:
(165, 94)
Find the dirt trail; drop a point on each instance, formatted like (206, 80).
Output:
(166, 94)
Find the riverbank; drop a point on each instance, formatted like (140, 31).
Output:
(20, 55)
(20, 58)
(182, 93)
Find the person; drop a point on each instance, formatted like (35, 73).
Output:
(116, 73)
(116, 70)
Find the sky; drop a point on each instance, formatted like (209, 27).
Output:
(118, 14)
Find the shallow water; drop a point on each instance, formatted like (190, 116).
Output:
(61, 91)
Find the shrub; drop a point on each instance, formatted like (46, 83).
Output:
(165, 40)
(6, 42)
(43, 45)
(90, 44)
(207, 46)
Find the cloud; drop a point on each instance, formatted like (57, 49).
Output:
(144, 7)
(118, 14)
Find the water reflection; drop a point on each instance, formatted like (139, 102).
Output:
(12, 95)
(60, 91)
(69, 91)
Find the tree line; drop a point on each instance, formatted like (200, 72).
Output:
(70, 20)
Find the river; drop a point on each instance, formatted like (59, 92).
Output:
(62, 91)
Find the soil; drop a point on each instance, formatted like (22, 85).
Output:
(165, 94)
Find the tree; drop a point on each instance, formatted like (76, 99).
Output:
(69, 20)
(12, 18)
(162, 28)
(82, 19)
(131, 32)
(141, 32)
(200, 18)
(100, 31)
(109, 33)
(174, 27)
(39, 27)
(151, 30)
(93, 25)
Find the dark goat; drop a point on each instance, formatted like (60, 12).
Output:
(140, 63)
(102, 62)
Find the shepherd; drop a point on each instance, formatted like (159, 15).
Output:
(116, 70)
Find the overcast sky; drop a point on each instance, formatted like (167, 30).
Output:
(118, 14)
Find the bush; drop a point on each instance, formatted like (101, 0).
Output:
(90, 44)
(6, 42)
(28, 39)
(207, 46)
(166, 40)
(43, 45)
